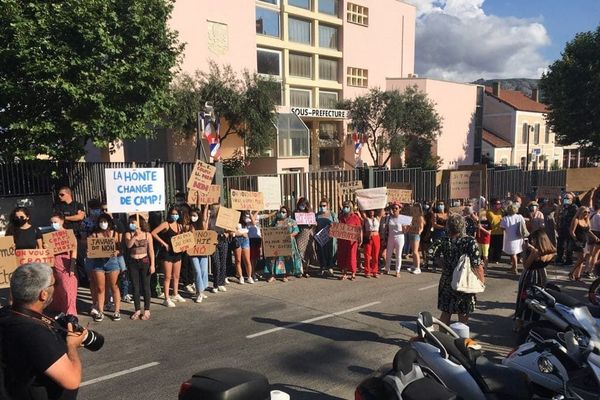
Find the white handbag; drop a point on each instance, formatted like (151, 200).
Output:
(464, 279)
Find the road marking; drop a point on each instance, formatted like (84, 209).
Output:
(428, 287)
(120, 373)
(308, 321)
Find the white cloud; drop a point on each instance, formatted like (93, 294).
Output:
(457, 41)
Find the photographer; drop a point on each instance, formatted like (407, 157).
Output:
(41, 359)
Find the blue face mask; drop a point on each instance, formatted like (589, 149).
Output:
(566, 202)
(56, 226)
(174, 217)
(347, 210)
(281, 215)
(440, 208)
(322, 209)
(132, 227)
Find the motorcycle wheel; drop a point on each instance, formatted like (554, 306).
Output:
(543, 329)
(594, 292)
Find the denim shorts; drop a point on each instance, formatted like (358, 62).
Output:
(243, 242)
(414, 237)
(106, 264)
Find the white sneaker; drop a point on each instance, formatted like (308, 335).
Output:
(94, 312)
(241, 280)
(178, 298)
(214, 289)
(128, 299)
(168, 303)
(250, 280)
(198, 299)
(191, 288)
(161, 296)
(222, 289)
(227, 281)
(415, 271)
(204, 296)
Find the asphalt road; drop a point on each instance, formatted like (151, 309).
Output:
(332, 334)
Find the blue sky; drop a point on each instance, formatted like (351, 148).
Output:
(463, 40)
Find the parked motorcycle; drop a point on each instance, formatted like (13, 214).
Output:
(594, 292)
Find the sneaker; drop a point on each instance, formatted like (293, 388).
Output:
(128, 299)
(241, 280)
(191, 288)
(204, 296)
(116, 316)
(250, 280)
(214, 289)
(330, 270)
(99, 317)
(169, 303)
(227, 281)
(94, 312)
(178, 298)
(415, 271)
(222, 289)
(198, 299)
(161, 296)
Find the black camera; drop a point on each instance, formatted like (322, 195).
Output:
(93, 341)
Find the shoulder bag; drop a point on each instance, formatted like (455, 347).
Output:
(464, 279)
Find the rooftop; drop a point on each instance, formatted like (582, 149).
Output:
(494, 139)
(518, 100)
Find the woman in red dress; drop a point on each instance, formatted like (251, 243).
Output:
(347, 249)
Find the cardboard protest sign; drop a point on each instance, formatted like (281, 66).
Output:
(277, 241)
(131, 190)
(348, 188)
(305, 218)
(582, 179)
(26, 256)
(100, 247)
(548, 192)
(201, 177)
(465, 184)
(60, 241)
(345, 231)
(8, 261)
(205, 243)
(322, 237)
(183, 242)
(404, 219)
(244, 200)
(371, 199)
(400, 185)
(227, 218)
(270, 187)
(399, 195)
(456, 210)
(211, 197)
(142, 214)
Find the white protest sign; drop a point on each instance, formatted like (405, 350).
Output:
(305, 218)
(270, 187)
(131, 190)
(371, 199)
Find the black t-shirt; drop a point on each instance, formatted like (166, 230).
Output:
(68, 210)
(30, 347)
(26, 238)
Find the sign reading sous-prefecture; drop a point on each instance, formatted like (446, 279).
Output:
(319, 112)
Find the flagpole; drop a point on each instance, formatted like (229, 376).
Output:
(200, 151)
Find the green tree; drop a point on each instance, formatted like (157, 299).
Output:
(245, 104)
(391, 119)
(73, 71)
(571, 89)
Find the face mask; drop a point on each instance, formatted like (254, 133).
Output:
(281, 214)
(19, 221)
(174, 217)
(470, 210)
(247, 220)
(566, 202)
(517, 204)
(533, 209)
(426, 207)
(440, 208)
(322, 209)
(347, 210)
(194, 218)
(56, 226)
(103, 225)
(302, 207)
(132, 227)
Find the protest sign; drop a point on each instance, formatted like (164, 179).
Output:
(183, 242)
(60, 241)
(26, 256)
(399, 195)
(322, 237)
(465, 184)
(135, 189)
(348, 188)
(548, 192)
(305, 218)
(205, 243)
(211, 197)
(201, 177)
(456, 210)
(345, 231)
(371, 199)
(243, 200)
(400, 185)
(404, 219)
(100, 247)
(227, 218)
(270, 187)
(582, 179)
(277, 241)
(8, 261)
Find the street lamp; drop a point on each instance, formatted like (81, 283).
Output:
(528, 129)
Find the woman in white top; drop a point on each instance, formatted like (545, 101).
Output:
(371, 242)
(513, 241)
(395, 239)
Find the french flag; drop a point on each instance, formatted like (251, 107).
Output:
(357, 142)
(214, 142)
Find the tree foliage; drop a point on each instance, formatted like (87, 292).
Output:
(571, 89)
(391, 119)
(245, 104)
(73, 71)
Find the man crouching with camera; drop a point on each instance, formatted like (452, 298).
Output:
(40, 357)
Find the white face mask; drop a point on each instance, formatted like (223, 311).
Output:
(103, 225)
(194, 218)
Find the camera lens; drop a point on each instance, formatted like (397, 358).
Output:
(93, 341)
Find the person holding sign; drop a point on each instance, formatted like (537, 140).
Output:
(348, 250)
(26, 236)
(371, 243)
(326, 252)
(241, 248)
(284, 266)
(65, 274)
(305, 238)
(395, 238)
(107, 270)
(141, 264)
(171, 261)
(219, 257)
(199, 222)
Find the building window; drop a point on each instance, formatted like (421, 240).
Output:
(293, 136)
(328, 130)
(357, 77)
(536, 134)
(268, 62)
(547, 134)
(328, 69)
(328, 7)
(299, 30)
(300, 98)
(276, 2)
(300, 3)
(328, 37)
(300, 65)
(525, 133)
(267, 22)
(357, 14)
(328, 99)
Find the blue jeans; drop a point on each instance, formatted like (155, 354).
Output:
(201, 267)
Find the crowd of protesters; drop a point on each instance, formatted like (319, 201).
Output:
(145, 264)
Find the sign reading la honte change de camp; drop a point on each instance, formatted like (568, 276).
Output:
(129, 190)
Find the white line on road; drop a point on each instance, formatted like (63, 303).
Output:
(120, 373)
(428, 287)
(308, 321)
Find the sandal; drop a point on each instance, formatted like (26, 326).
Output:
(146, 316)
(306, 275)
(343, 277)
(271, 279)
(284, 279)
(136, 315)
(353, 277)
